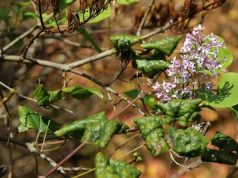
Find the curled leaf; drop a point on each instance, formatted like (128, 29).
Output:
(30, 119)
(80, 92)
(166, 45)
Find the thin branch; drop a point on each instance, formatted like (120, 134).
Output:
(145, 17)
(108, 89)
(12, 90)
(125, 108)
(124, 143)
(76, 169)
(10, 135)
(22, 36)
(30, 43)
(32, 149)
(64, 160)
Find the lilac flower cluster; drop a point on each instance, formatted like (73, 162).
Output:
(197, 65)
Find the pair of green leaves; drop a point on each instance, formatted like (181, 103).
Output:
(153, 134)
(95, 129)
(164, 46)
(156, 64)
(188, 142)
(227, 153)
(152, 65)
(109, 168)
(45, 97)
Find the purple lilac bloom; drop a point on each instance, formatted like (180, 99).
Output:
(198, 59)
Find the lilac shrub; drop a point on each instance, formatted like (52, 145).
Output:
(194, 70)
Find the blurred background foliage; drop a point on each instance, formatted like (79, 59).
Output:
(16, 17)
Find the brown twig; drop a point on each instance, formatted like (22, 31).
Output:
(145, 17)
(65, 159)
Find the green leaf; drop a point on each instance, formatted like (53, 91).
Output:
(88, 37)
(96, 129)
(132, 93)
(150, 101)
(189, 142)
(80, 125)
(45, 97)
(166, 45)
(101, 132)
(224, 142)
(64, 3)
(30, 119)
(80, 92)
(227, 95)
(148, 124)
(123, 42)
(225, 56)
(29, 15)
(235, 110)
(156, 142)
(127, 2)
(105, 168)
(219, 156)
(4, 14)
(102, 15)
(181, 110)
(152, 67)
(153, 134)
(68, 1)
(227, 153)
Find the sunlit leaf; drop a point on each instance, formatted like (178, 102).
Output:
(225, 56)
(80, 92)
(127, 2)
(102, 16)
(150, 101)
(226, 95)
